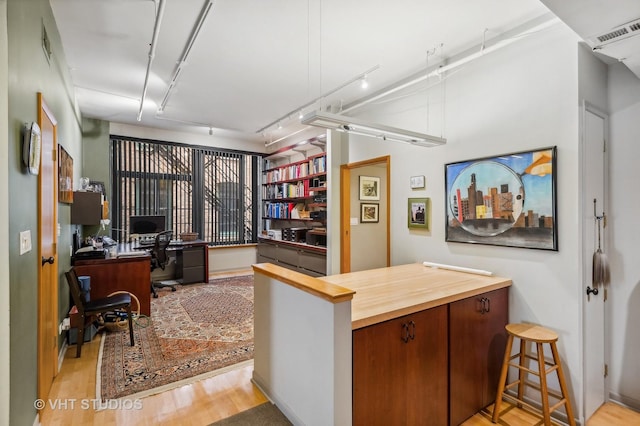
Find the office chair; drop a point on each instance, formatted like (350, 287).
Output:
(87, 310)
(159, 259)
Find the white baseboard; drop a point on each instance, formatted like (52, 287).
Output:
(62, 353)
(625, 401)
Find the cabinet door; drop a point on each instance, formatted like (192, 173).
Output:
(379, 374)
(398, 382)
(477, 339)
(427, 366)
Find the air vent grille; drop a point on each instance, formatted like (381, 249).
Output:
(613, 34)
(630, 29)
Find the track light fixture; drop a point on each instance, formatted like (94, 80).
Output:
(364, 83)
(352, 125)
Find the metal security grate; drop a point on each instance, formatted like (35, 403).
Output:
(197, 189)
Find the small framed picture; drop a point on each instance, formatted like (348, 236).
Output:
(417, 182)
(369, 188)
(418, 213)
(369, 212)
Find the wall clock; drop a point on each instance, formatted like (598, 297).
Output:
(31, 147)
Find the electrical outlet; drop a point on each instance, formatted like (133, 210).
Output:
(25, 242)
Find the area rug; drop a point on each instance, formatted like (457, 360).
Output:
(195, 332)
(266, 414)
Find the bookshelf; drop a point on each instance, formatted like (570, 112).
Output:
(294, 202)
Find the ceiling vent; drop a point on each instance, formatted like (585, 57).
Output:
(622, 32)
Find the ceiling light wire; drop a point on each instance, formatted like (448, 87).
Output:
(152, 53)
(321, 97)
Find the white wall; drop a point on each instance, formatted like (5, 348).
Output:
(522, 97)
(302, 358)
(184, 137)
(623, 304)
(231, 258)
(4, 222)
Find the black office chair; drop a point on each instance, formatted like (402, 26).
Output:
(159, 259)
(87, 310)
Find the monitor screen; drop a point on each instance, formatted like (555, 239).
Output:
(146, 224)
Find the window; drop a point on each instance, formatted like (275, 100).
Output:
(197, 189)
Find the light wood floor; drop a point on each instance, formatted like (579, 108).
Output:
(212, 399)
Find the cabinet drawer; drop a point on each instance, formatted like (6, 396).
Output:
(313, 262)
(267, 250)
(192, 256)
(193, 275)
(287, 255)
(263, 259)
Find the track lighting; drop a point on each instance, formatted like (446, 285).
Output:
(352, 125)
(210, 131)
(300, 115)
(364, 83)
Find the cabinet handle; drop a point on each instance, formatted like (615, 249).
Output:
(485, 305)
(405, 332)
(412, 333)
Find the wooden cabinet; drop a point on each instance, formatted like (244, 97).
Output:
(477, 340)
(400, 370)
(307, 260)
(86, 208)
(446, 371)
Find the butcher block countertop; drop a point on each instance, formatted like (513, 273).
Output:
(387, 293)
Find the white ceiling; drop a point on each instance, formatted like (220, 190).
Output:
(256, 61)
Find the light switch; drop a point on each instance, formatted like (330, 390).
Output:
(25, 242)
(353, 220)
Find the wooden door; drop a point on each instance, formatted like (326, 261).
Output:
(477, 340)
(48, 276)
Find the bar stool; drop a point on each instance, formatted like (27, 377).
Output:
(540, 335)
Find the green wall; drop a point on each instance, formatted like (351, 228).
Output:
(29, 72)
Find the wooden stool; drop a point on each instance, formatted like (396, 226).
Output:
(540, 335)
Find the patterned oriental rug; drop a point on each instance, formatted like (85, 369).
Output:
(198, 331)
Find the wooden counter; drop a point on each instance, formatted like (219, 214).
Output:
(387, 293)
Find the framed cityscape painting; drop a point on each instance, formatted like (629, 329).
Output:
(506, 200)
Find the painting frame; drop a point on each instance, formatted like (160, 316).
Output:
(418, 213)
(369, 188)
(514, 199)
(65, 176)
(417, 182)
(369, 212)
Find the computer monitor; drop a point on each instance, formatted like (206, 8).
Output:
(146, 224)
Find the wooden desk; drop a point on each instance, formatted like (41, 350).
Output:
(132, 274)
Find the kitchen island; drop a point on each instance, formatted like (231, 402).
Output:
(423, 343)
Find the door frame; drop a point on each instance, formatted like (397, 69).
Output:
(345, 208)
(592, 343)
(47, 361)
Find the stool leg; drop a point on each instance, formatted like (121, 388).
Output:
(543, 385)
(563, 385)
(503, 378)
(522, 375)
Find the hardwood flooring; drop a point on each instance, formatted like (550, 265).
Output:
(70, 402)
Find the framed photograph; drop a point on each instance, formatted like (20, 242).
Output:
(65, 176)
(506, 200)
(369, 212)
(369, 188)
(418, 216)
(417, 182)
